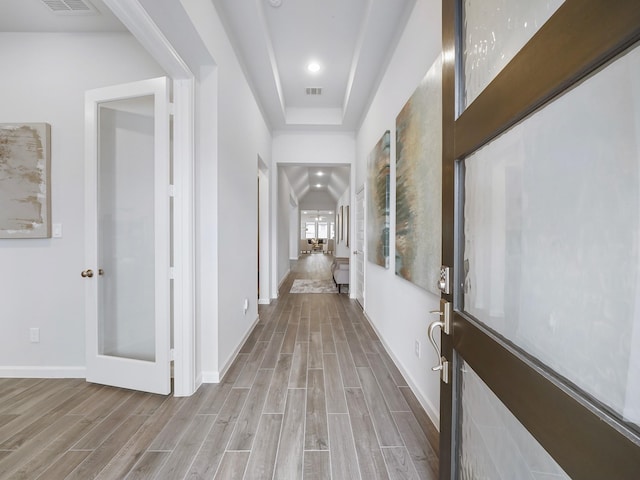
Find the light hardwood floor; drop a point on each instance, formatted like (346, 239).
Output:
(312, 395)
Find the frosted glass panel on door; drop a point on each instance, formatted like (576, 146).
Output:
(126, 305)
(494, 31)
(552, 235)
(494, 444)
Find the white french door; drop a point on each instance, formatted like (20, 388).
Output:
(128, 236)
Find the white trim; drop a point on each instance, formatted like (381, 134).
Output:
(215, 377)
(141, 25)
(264, 301)
(431, 411)
(42, 372)
(143, 28)
(184, 238)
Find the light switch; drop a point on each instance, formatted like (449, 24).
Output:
(57, 230)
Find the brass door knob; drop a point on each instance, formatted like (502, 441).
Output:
(87, 273)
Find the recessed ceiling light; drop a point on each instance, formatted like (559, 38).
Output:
(318, 185)
(275, 3)
(313, 67)
(320, 174)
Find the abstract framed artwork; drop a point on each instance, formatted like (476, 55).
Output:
(419, 184)
(341, 226)
(25, 180)
(378, 177)
(348, 224)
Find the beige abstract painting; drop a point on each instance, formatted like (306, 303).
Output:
(25, 199)
(378, 214)
(419, 183)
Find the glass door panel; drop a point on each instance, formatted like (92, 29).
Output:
(494, 32)
(552, 228)
(493, 443)
(126, 254)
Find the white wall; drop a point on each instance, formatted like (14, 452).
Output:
(242, 135)
(398, 309)
(317, 148)
(40, 279)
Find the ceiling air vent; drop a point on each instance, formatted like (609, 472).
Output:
(70, 7)
(314, 90)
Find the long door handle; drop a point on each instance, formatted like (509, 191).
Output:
(432, 326)
(445, 326)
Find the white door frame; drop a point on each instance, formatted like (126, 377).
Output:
(142, 27)
(360, 255)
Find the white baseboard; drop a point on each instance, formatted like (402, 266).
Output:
(431, 411)
(283, 279)
(43, 372)
(264, 301)
(210, 377)
(215, 377)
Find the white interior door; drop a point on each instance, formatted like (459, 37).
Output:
(128, 236)
(360, 247)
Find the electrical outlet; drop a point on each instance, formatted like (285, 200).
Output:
(417, 348)
(34, 335)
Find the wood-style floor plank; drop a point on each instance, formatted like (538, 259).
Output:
(289, 461)
(233, 465)
(349, 414)
(393, 396)
(316, 430)
(187, 448)
(334, 390)
(344, 464)
(213, 448)
(64, 465)
(262, 457)
(102, 455)
(423, 456)
(399, 464)
(386, 429)
(148, 466)
(247, 423)
(317, 465)
(298, 376)
(277, 396)
(370, 456)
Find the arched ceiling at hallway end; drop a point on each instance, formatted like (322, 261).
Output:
(330, 179)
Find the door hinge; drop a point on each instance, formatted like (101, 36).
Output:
(172, 354)
(172, 108)
(172, 190)
(172, 273)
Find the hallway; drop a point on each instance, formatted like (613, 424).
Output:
(311, 395)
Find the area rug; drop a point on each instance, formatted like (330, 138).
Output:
(313, 286)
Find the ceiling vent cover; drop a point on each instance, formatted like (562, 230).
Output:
(70, 7)
(314, 90)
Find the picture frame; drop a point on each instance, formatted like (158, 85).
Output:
(25, 180)
(347, 214)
